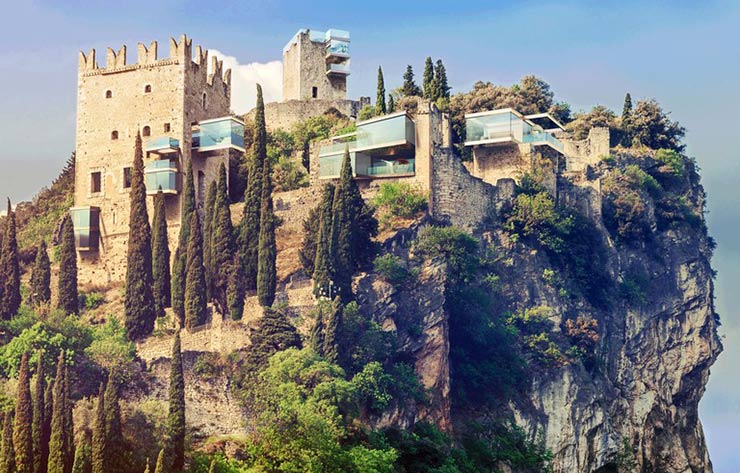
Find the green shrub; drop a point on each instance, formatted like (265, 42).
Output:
(391, 268)
(400, 199)
(671, 162)
(288, 175)
(533, 320)
(209, 365)
(110, 347)
(458, 249)
(366, 113)
(91, 301)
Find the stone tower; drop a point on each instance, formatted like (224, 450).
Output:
(169, 101)
(316, 65)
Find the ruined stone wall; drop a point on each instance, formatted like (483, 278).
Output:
(586, 152)
(304, 67)
(492, 163)
(283, 115)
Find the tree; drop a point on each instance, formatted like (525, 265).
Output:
(40, 448)
(160, 257)
(273, 333)
(212, 467)
(99, 439)
(69, 428)
(196, 310)
(176, 416)
(333, 333)
(323, 257)
(599, 116)
(46, 430)
(10, 272)
(316, 340)
(140, 311)
(428, 78)
(409, 87)
(267, 256)
(223, 245)
(380, 97)
(41, 277)
(115, 446)
(236, 290)
(250, 224)
(391, 104)
(209, 216)
(58, 443)
(67, 290)
(179, 265)
(22, 428)
(627, 120)
(82, 462)
(159, 468)
(7, 459)
(652, 127)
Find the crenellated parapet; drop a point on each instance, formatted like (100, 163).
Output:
(147, 55)
(87, 63)
(181, 50)
(115, 60)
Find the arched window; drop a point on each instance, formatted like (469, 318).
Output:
(204, 100)
(114, 135)
(147, 88)
(108, 94)
(146, 131)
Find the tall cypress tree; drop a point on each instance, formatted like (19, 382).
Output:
(22, 428)
(159, 467)
(409, 86)
(222, 242)
(323, 259)
(39, 411)
(428, 78)
(179, 265)
(316, 339)
(441, 88)
(82, 462)
(99, 439)
(212, 468)
(627, 132)
(195, 278)
(207, 230)
(7, 456)
(236, 290)
(380, 97)
(391, 104)
(10, 272)
(69, 456)
(266, 270)
(115, 447)
(46, 430)
(58, 441)
(333, 331)
(41, 277)
(160, 257)
(176, 417)
(250, 224)
(140, 312)
(343, 231)
(67, 283)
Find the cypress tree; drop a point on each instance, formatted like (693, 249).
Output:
(22, 428)
(179, 265)
(212, 468)
(317, 332)
(627, 132)
(333, 331)
(209, 215)
(391, 104)
(140, 311)
(176, 417)
(39, 411)
(195, 278)
(409, 87)
(342, 232)
(146, 469)
(67, 284)
(307, 253)
(323, 256)
(250, 224)
(160, 257)
(58, 440)
(236, 290)
(98, 434)
(115, 447)
(69, 456)
(10, 272)
(267, 256)
(159, 468)
(7, 459)
(46, 430)
(380, 98)
(222, 242)
(82, 462)
(41, 277)
(428, 78)
(441, 88)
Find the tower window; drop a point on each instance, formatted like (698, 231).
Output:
(204, 100)
(114, 135)
(314, 92)
(95, 182)
(147, 89)
(146, 131)
(127, 178)
(166, 127)
(108, 94)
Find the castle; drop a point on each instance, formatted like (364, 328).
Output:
(181, 108)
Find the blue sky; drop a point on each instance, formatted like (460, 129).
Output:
(684, 54)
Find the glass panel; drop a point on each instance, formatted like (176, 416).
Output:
(396, 130)
(221, 133)
(337, 34)
(337, 148)
(339, 68)
(330, 166)
(338, 47)
(498, 126)
(86, 227)
(161, 142)
(161, 174)
(384, 168)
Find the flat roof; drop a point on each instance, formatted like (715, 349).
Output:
(545, 120)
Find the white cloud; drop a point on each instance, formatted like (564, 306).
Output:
(245, 76)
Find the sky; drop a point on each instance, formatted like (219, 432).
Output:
(685, 54)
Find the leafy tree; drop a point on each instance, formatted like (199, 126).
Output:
(196, 310)
(60, 438)
(179, 265)
(176, 417)
(428, 78)
(10, 272)
(41, 277)
(7, 459)
(322, 261)
(250, 224)
(380, 96)
(160, 257)
(115, 445)
(223, 245)
(366, 113)
(139, 301)
(38, 432)
(209, 216)
(535, 93)
(99, 437)
(22, 428)
(653, 128)
(409, 87)
(627, 121)
(599, 116)
(266, 270)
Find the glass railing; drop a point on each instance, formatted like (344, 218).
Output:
(219, 133)
(337, 48)
(539, 137)
(330, 166)
(337, 148)
(162, 143)
(337, 34)
(397, 130)
(86, 223)
(495, 127)
(161, 174)
(392, 167)
(337, 69)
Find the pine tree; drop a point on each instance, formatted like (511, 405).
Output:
(22, 428)
(179, 265)
(223, 245)
(627, 132)
(98, 434)
(59, 439)
(391, 104)
(39, 411)
(46, 430)
(208, 218)
(333, 331)
(428, 78)
(140, 311)
(159, 468)
(380, 98)
(176, 417)
(67, 284)
(196, 310)
(160, 257)
(10, 272)
(115, 447)
(441, 88)
(267, 255)
(41, 277)
(323, 256)
(409, 87)
(250, 224)
(7, 457)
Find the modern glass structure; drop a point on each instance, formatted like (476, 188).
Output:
(86, 222)
(162, 145)
(161, 174)
(381, 147)
(218, 133)
(507, 125)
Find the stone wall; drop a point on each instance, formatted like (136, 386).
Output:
(586, 152)
(304, 67)
(283, 115)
